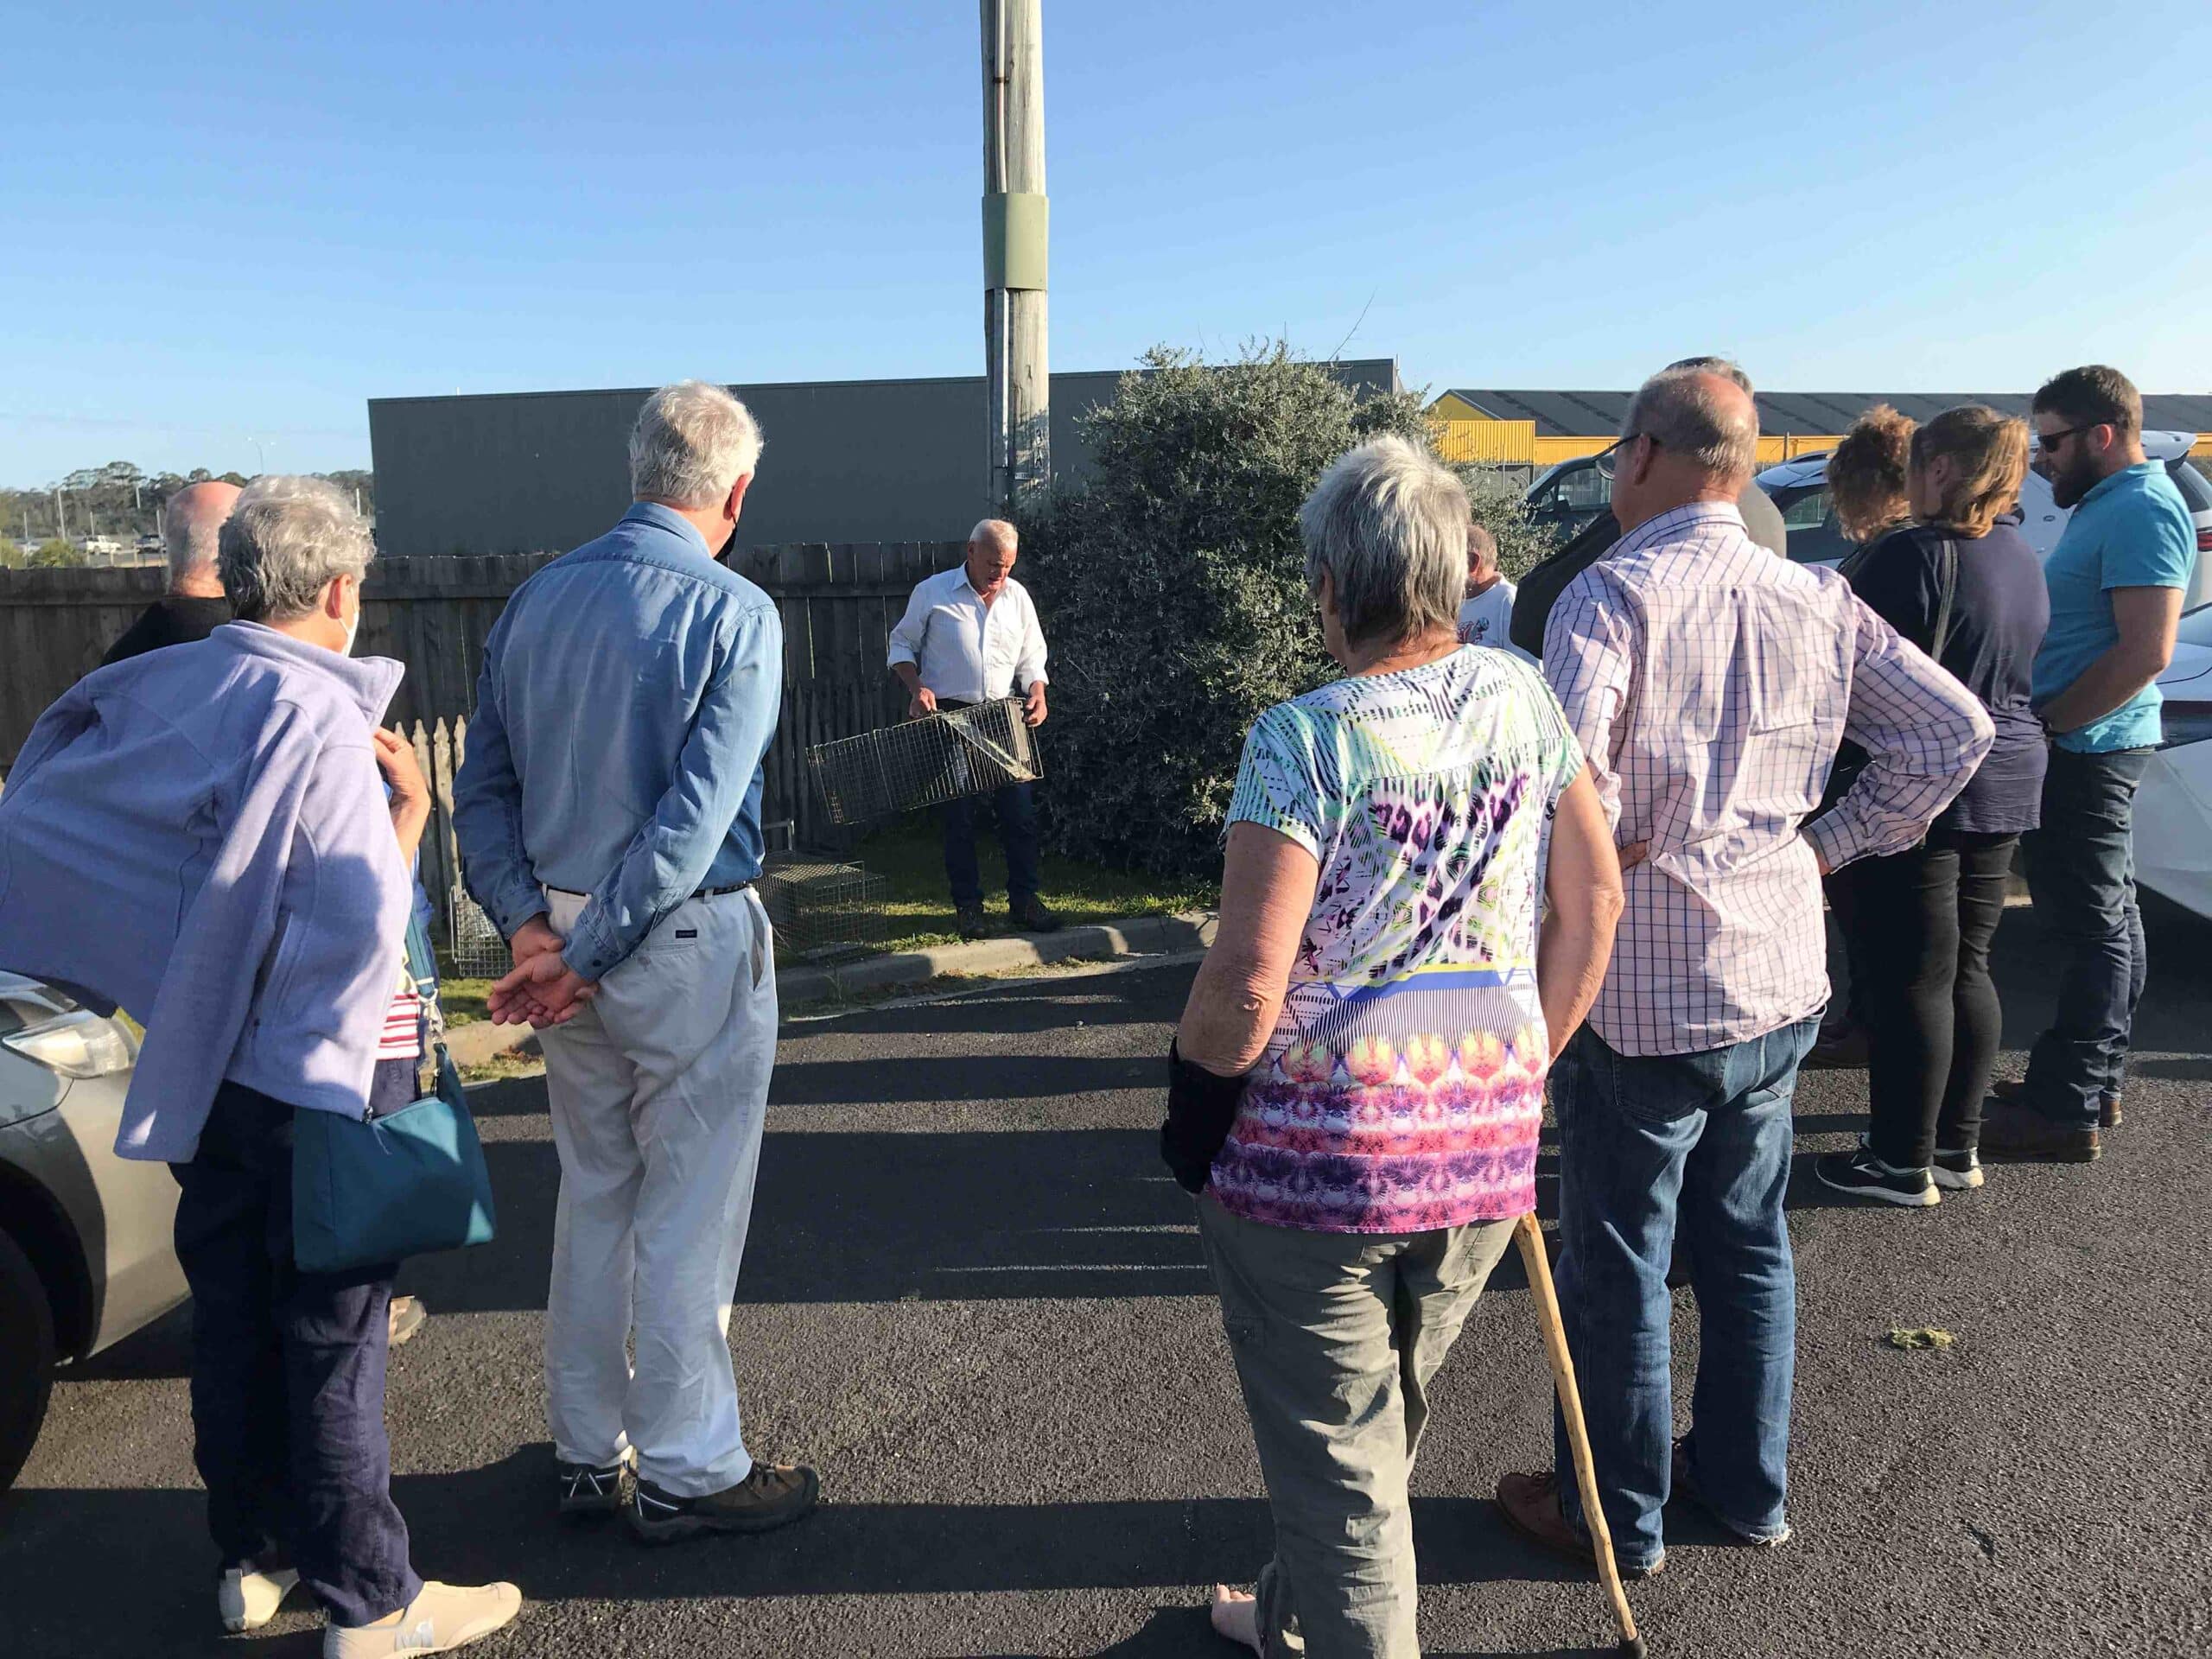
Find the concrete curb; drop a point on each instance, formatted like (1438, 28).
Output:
(1134, 936)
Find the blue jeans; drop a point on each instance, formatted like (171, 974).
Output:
(2081, 871)
(1645, 1140)
(1017, 813)
(288, 1371)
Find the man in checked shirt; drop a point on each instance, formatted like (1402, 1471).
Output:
(1709, 683)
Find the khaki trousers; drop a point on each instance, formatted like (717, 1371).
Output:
(1336, 1337)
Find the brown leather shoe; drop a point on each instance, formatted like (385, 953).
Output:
(2109, 1116)
(773, 1495)
(1531, 1504)
(1030, 916)
(2014, 1134)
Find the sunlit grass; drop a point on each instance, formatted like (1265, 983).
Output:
(919, 912)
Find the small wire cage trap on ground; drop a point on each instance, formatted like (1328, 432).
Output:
(944, 757)
(477, 949)
(820, 908)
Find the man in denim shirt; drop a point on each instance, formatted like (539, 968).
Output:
(2116, 579)
(609, 812)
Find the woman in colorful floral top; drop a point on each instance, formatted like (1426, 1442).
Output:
(1358, 1082)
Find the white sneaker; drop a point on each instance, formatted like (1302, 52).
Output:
(443, 1617)
(248, 1597)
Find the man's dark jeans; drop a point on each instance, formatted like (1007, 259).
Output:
(1647, 1144)
(1017, 814)
(287, 1375)
(2081, 873)
(1921, 925)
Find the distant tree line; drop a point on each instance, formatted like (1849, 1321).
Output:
(120, 501)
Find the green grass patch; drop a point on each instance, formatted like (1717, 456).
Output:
(507, 1063)
(918, 912)
(463, 1001)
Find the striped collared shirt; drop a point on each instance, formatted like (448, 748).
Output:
(1709, 683)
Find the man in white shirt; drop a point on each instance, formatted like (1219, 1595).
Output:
(1486, 618)
(970, 635)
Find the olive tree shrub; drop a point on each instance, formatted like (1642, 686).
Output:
(1172, 591)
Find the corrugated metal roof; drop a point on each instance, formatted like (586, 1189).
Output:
(1590, 414)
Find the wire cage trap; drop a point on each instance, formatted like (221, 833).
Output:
(820, 908)
(476, 949)
(942, 757)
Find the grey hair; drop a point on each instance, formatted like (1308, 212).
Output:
(994, 531)
(191, 543)
(285, 541)
(1388, 525)
(692, 444)
(1726, 367)
(1677, 409)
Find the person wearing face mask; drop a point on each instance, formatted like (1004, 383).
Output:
(248, 904)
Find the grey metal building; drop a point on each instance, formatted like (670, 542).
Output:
(846, 461)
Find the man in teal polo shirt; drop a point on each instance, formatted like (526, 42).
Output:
(2116, 580)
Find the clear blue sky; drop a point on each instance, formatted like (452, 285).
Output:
(226, 222)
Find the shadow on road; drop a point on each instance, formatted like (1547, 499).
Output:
(889, 1217)
(859, 1218)
(492, 1522)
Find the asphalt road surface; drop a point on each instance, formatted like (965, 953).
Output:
(974, 1299)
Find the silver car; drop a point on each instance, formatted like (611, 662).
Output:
(87, 1254)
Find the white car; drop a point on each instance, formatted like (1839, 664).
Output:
(1800, 488)
(2173, 809)
(87, 1254)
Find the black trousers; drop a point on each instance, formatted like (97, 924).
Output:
(288, 1373)
(2081, 869)
(1922, 923)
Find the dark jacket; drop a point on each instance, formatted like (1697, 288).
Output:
(1542, 587)
(172, 620)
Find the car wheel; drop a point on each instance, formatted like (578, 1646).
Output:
(26, 1358)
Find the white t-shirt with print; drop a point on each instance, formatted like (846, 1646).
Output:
(1487, 619)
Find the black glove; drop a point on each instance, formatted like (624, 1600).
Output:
(1200, 1109)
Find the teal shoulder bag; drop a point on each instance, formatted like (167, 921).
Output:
(371, 1190)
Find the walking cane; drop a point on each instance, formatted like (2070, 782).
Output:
(1528, 1234)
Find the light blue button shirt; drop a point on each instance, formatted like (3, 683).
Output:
(629, 693)
(2132, 531)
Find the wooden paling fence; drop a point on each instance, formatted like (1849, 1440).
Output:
(438, 751)
(838, 604)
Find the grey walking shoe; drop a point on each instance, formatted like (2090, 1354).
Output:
(586, 1491)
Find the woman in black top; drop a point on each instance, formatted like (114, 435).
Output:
(1964, 585)
(1866, 490)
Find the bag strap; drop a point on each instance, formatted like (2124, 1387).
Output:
(1947, 590)
(422, 967)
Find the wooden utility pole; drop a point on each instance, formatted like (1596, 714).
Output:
(1018, 382)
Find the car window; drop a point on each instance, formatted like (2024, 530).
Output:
(1815, 536)
(2191, 483)
(1806, 511)
(1586, 489)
